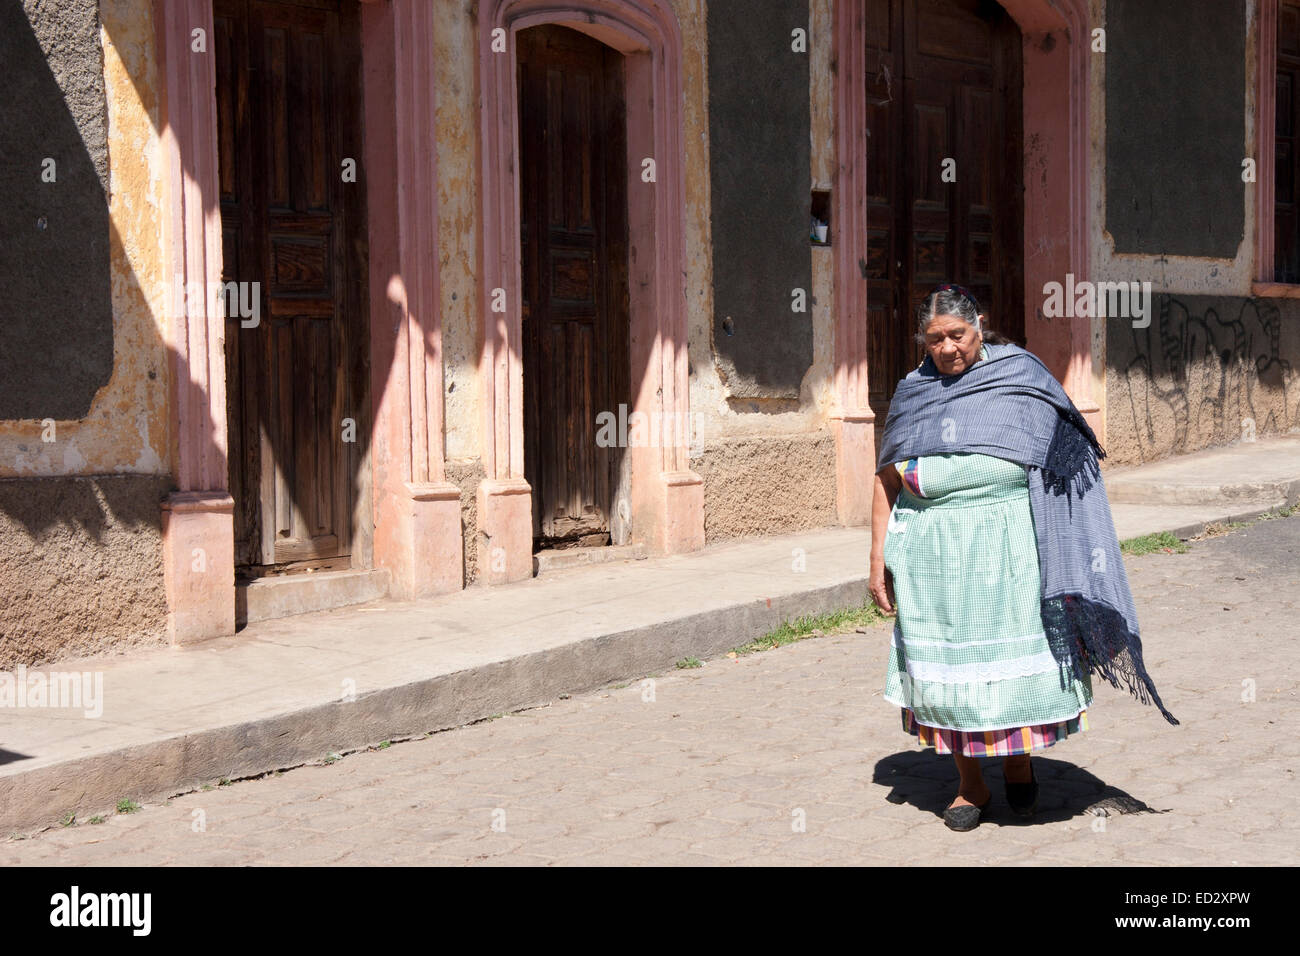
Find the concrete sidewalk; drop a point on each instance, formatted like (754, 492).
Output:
(295, 689)
(1185, 493)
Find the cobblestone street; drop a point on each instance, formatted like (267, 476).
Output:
(790, 756)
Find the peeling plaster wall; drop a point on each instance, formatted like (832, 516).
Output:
(455, 57)
(466, 476)
(126, 429)
(80, 521)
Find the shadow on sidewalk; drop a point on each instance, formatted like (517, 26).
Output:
(928, 781)
(9, 756)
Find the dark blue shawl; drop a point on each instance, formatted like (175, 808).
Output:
(1010, 406)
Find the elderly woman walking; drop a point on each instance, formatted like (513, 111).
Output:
(992, 534)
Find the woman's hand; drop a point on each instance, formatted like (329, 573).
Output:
(881, 585)
(880, 582)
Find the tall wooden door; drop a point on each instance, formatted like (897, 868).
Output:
(943, 95)
(573, 209)
(1286, 194)
(288, 93)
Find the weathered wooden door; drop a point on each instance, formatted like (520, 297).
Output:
(943, 97)
(289, 134)
(573, 209)
(1286, 194)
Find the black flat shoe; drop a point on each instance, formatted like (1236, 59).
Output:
(965, 817)
(1023, 797)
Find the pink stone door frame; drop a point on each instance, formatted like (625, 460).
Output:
(416, 511)
(418, 535)
(667, 498)
(1056, 59)
(198, 519)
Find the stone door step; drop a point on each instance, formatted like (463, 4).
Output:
(268, 598)
(560, 558)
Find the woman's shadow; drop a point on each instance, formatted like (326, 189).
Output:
(928, 781)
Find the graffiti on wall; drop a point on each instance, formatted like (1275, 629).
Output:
(1207, 371)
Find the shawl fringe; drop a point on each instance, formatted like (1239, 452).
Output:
(1071, 464)
(1094, 637)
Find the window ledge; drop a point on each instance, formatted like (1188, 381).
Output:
(1275, 290)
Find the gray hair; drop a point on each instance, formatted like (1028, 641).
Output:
(950, 301)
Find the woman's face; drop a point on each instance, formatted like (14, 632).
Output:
(953, 345)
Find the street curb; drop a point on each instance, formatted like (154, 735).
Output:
(153, 772)
(1197, 528)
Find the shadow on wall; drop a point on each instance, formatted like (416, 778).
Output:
(80, 558)
(92, 505)
(1207, 371)
(56, 314)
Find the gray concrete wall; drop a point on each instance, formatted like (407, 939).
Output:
(56, 314)
(80, 566)
(1209, 370)
(759, 165)
(1175, 126)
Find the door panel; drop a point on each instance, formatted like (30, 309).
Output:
(886, 223)
(943, 83)
(1286, 213)
(573, 230)
(288, 115)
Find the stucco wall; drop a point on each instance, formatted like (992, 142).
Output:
(1209, 370)
(56, 335)
(767, 485)
(759, 176)
(126, 429)
(80, 567)
(80, 538)
(1176, 88)
(455, 62)
(1168, 411)
(1216, 364)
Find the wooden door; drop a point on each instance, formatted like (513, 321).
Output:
(288, 94)
(1286, 206)
(944, 83)
(573, 209)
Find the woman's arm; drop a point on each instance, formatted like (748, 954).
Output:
(888, 485)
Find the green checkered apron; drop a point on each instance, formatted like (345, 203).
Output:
(968, 650)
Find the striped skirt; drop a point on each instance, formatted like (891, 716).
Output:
(992, 743)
